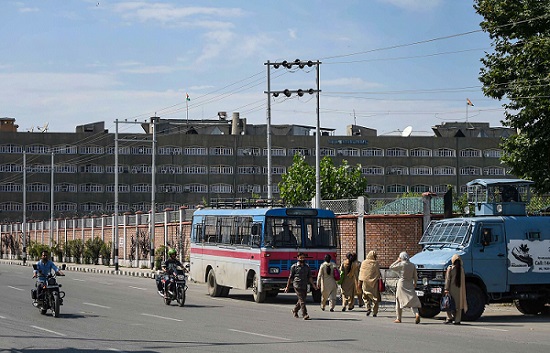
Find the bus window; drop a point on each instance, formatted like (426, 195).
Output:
(287, 232)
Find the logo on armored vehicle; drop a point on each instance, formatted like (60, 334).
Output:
(521, 253)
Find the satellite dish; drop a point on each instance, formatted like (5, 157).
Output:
(407, 131)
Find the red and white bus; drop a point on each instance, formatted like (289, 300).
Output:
(254, 248)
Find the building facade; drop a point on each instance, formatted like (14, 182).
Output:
(200, 160)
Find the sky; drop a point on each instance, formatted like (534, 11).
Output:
(384, 64)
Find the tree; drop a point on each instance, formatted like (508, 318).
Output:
(298, 183)
(519, 70)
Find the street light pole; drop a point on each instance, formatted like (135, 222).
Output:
(268, 125)
(318, 147)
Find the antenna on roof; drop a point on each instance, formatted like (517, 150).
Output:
(407, 132)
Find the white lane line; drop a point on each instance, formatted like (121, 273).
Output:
(2, 317)
(490, 329)
(97, 305)
(261, 335)
(50, 331)
(138, 288)
(15, 288)
(78, 279)
(161, 317)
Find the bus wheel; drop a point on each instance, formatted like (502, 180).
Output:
(213, 288)
(225, 291)
(476, 302)
(259, 297)
(530, 307)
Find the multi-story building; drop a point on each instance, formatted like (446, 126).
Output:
(198, 160)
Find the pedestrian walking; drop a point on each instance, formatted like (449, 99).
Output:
(327, 283)
(405, 296)
(358, 290)
(455, 285)
(349, 270)
(300, 276)
(369, 274)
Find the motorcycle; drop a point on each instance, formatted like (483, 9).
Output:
(50, 297)
(175, 284)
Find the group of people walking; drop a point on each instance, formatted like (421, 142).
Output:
(361, 279)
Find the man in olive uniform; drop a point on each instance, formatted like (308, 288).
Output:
(300, 276)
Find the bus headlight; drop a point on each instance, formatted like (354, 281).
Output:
(425, 281)
(274, 270)
(440, 275)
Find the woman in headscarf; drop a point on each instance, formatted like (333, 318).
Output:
(368, 280)
(327, 283)
(349, 271)
(455, 284)
(405, 296)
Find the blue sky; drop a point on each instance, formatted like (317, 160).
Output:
(386, 64)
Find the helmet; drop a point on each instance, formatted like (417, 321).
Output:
(172, 252)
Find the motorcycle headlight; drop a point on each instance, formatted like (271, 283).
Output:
(181, 277)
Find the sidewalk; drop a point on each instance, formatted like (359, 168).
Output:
(122, 271)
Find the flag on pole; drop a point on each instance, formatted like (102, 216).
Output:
(188, 99)
(468, 102)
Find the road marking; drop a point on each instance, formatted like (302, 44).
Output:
(15, 288)
(490, 329)
(161, 317)
(2, 317)
(78, 279)
(261, 335)
(97, 305)
(50, 331)
(138, 288)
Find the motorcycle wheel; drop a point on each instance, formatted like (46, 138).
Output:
(56, 304)
(181, 296)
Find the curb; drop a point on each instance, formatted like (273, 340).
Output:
(76, 268)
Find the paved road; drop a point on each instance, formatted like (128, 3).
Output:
(105, 313)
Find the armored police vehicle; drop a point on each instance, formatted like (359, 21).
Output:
(505, 252)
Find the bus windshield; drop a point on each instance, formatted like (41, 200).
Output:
(442, 232)
(300, 232)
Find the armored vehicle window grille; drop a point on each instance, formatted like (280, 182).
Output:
(446, 233)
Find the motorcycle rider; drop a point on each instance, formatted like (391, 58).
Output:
(43, 268)
(169, 266)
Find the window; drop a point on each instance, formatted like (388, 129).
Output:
(169, 189)
(91, 150)
(420, 188)
(397, 170)
(444, 170)
(470, 170)
(11, 168)
(197, 188)
(10, 187)
(275, 152)
(194, 169)
(493, 153)
(141, 169)
(441, 189)
(121, 150)
(10, 148)
(11, 207)
(421, 170)
(245, 188)
(372, 152)
(444, 152)
(221, 151)
(248, 151)
(122, 188)
(195, 151)
(90, 187)
(374, 189)
(65, 187)
(121, 169)
(170, 151)
(221, 188)
(65, 207)
(470, 152)
(396, 189)
(372, 170)
(170, 169)
(141, 206)
(221, 169)
(91, 168)
(141, 188)
(122, 207)
(396, 152)
(249, 169)
(274, 189)
(38, 187)
(277, 170)
(38, 168)
(65, 149)
(38, 206)
(65, 168)
(493, 171)
(299, 150)
(421, 152)
(38, 149)
(348, 152)
(327, 152)
(90, 207)
(141, 150)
